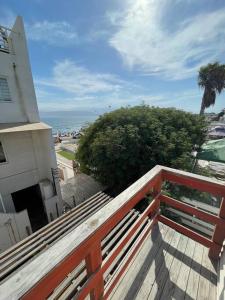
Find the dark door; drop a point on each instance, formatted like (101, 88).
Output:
(30, 199)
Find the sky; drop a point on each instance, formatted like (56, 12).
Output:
(98, 55)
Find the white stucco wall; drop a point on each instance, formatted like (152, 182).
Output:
(51, 208)
(65, 167)
(15, 67)
(29, 161)
(29, 151)
(13, 228)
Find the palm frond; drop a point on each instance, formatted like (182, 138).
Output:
(212, 79)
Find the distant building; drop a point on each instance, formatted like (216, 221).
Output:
(30, 194)
(217, 132)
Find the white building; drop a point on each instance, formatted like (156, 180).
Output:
(30, 194)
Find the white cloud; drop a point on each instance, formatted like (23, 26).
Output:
(60, 33)
(54, 33)
(74, 87)
(146, 42)
(53, 101)
(7, 17)
(78, 80)
(96, 34)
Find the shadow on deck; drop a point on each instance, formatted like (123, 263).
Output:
(169, 265)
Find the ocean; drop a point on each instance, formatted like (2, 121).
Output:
(67, 121)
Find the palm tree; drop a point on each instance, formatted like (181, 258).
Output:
(212, 79)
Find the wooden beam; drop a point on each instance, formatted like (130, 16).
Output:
(42, 232)
(38, 278)
(47, 270)
(222, 209)
(46, 240)
(134, 250)
(93, 264)
(141, 219)
(96, 277)
(200, 205)
(205, 216)
(219, 233)
(194, 181)
(186, 231)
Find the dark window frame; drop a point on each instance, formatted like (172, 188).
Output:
(3, 158)
(5, 86)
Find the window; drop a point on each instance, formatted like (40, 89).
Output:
(2, 154)
(4, 45)
(4, 90)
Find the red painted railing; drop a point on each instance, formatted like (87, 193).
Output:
(203, 184)
(90, 234)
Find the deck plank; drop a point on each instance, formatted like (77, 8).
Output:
(193, 280)
(208, 290)
(142, 289)
(213, 277)
(174, 272)
(161, 277)
(203, 288)
(180, 288)
(212, 282)
(172, 267)
(121, 289)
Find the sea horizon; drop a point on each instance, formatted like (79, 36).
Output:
(68, 121)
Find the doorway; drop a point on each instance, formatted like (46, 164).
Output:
(30, 199)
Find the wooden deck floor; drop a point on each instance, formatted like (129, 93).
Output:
(169, 265)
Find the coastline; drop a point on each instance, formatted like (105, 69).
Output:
(67, 122)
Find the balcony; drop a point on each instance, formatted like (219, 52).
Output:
(118, 252)
(4, 39)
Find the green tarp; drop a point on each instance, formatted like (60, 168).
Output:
(213, 151)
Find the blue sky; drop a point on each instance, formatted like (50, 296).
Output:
(98, 55)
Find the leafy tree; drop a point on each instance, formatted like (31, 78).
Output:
(122, 145)
(212, 79)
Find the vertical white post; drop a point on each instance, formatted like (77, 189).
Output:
(2, 203)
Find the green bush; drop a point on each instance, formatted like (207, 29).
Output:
(122, 145)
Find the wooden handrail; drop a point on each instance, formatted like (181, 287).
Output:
(186, 231)
(53, 265)
(150, 209)
(205, 216)
(204, 184)
(194, 181)
(45, 272)
(219, 233)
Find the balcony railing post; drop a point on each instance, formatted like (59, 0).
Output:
(93, 263)
(156, 191)
(219, 234)
(157, 187)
